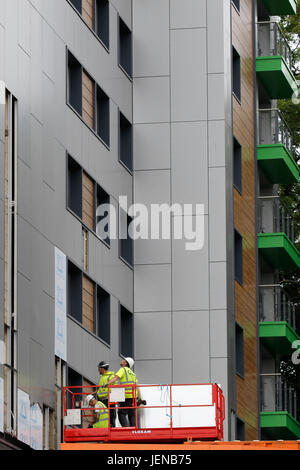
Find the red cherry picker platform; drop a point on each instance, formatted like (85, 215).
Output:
(170, 414)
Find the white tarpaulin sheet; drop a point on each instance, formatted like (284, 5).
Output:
(36, 427)
(23, 417)
(60, 305)
(195, 416)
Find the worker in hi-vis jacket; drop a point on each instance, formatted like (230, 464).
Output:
(126, 376)
(100, 410)
(102, 394)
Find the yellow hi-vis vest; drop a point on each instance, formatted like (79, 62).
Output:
(103, 391)
(102, 411)
(127, 376)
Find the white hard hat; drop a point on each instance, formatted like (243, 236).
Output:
(88, 398)
(130, 361)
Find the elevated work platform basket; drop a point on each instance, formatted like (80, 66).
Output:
(172, 413)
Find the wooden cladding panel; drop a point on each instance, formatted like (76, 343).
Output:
(244, 219)
(88, 289)
(88, 93)
(88, 12)
(88, 196)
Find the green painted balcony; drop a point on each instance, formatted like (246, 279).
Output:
(275, 152)
(274, 62)
(278, 251)
(281, 7)
(278, 408)
(278, 337)
(276, 234)
(279, 425)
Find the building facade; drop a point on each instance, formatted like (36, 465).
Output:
(163, 102)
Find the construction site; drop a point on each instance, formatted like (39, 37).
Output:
(149, 227)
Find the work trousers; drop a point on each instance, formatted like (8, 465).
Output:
(127, 416)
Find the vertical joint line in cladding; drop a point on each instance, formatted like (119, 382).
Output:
(208, 188)
(171, 196)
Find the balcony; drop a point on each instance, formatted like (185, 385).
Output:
(280, 7)
(278, 408)
(275, 151)
(276, 235)
(274, 61)
(277, 320)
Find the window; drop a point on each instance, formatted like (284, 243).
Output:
(126, 242)
(103, 315)
(125, 141)
(88, 303)
(126, 332)
(74, 292)
(103, 200)
(237, 165)
(125, 48)
(236, 74)
(74, 187)
(239, 349)
(84, 199)
(96, 15)
(238, 256)
(103, 116)
(74, 380)
(74, 83)
(236, 4)
(102, 21)
(240, 430)
(88, 99)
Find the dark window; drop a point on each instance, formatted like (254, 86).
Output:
(237, 165)
(238, 256)
(125, 47)
(74, 83)
(103, 315)
(102, 21)
(74, 292)
(102, 215)
(236, 74)
(74, 187)
(77, 4)
(240, 430)
(125, 142)
(126, 332)
(103, 116)
(239, 349)
(74, 380)
(236, 4)
(126, 242)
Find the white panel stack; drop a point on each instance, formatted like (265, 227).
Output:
(201, 414)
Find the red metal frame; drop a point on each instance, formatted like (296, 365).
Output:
(130, 434)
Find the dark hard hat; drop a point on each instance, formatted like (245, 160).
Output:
(103, 364)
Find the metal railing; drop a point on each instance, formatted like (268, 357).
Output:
(276, 305)
(272, 42)
(274, 130)
(274, 217)
(277, 394)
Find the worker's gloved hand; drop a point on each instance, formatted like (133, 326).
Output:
(141, 402)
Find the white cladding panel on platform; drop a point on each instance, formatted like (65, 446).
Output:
(201, 415)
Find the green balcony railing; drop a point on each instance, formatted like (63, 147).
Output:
(274, 61)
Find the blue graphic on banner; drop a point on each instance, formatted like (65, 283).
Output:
(60, 305)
